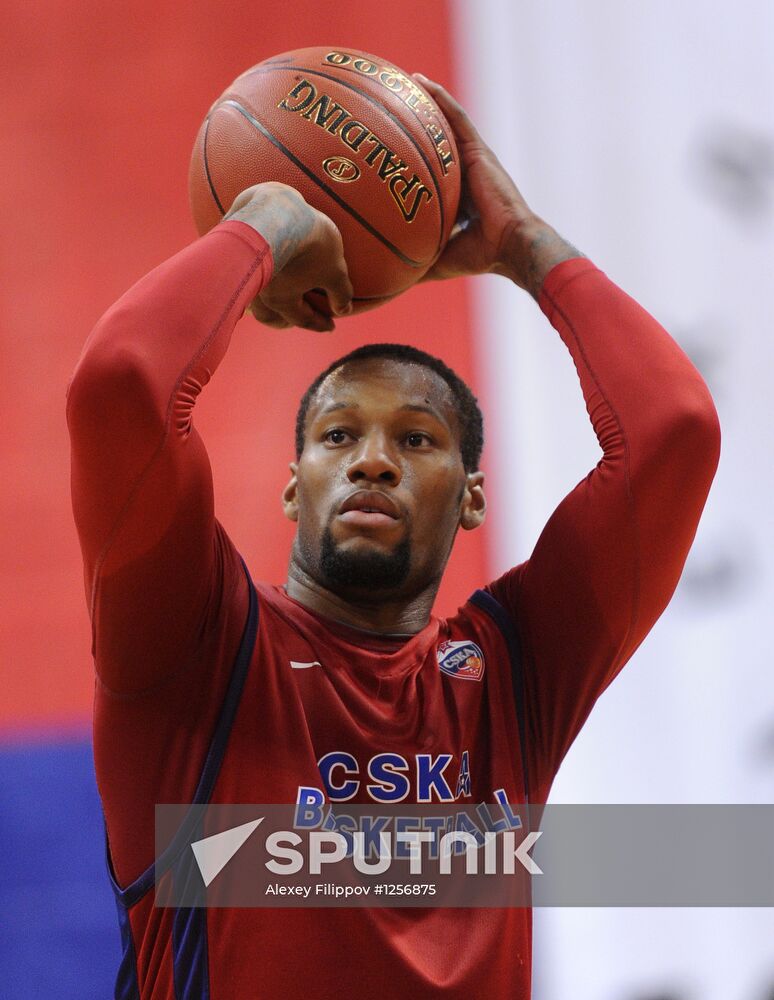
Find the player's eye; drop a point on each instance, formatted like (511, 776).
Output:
(416, 439)
(335, 435)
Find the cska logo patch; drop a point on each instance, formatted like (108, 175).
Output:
(461, 658)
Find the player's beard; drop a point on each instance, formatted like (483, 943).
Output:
(364, 570)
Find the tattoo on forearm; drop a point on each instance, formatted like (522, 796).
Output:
(280, 219)
(545, 250)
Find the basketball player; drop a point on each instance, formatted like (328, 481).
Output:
(197, 697)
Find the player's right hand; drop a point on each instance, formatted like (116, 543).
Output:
(307, 252)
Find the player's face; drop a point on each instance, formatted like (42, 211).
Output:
(380, 489)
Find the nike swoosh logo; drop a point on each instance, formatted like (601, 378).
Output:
(302, 665)
(214, 853)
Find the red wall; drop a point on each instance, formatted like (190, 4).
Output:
(101, 103)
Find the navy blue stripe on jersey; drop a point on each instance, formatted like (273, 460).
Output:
(190, 955)
(132, 893)
(217, 749)
(484, 600)
(127, 986)
(189, 938)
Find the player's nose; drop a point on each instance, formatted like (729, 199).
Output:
(374, 461)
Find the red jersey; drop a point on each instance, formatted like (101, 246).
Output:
(241, 694)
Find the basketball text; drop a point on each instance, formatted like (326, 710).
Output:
(405, 186)
(408, 91)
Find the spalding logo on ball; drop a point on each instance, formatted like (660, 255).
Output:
(361, 141)
(340, 169)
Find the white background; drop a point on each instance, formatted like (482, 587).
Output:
(645, 134)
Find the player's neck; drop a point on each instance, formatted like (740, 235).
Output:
(386, 616)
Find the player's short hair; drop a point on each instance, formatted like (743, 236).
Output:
(471, 422)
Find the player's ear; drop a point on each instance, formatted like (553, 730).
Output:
(473, 503)
(290, 494)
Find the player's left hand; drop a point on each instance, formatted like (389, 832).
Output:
(493, 211)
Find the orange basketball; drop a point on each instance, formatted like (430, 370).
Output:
(361, 141)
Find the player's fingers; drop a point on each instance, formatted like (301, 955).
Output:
(335, 279)
(267, 316)
(338, 287)
(457, 116)
(298, 312)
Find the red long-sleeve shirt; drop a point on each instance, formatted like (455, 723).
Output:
(169, 600)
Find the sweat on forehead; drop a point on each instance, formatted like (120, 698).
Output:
(411, 382)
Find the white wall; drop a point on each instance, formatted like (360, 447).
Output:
(645, 133)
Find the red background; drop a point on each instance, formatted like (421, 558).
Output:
(101, 106)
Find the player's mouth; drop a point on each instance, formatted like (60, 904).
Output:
(369, 509)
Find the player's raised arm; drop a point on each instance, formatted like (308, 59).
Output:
(141, 481)
(610, 556)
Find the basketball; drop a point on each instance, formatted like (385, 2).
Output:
(361, 141)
